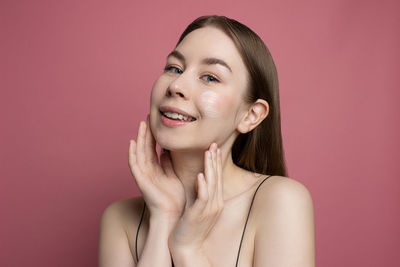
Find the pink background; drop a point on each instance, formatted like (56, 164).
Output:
(76, 79)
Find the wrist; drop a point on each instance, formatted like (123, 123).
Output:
(163, 221)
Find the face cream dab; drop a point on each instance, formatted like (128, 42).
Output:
(209, 100)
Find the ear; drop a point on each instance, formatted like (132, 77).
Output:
(256, 113)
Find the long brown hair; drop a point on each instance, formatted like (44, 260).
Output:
(259, 150)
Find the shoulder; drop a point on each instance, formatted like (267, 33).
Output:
(124, 211)
(282, 197)
(115, 226)
(284, 223)
(281, 190)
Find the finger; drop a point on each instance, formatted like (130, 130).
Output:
(214, 170)
(151, 153)
(131, 153)
(202, 194)
(140, 147)
(214, 156)
(132, 160)
(208, 170)
(166, 164)
(219, 175)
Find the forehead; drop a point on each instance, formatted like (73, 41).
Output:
(209, 42)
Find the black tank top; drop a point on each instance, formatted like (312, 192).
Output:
(240, 246)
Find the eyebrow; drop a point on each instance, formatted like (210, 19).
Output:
(207, 61)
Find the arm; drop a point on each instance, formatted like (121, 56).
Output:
(156, 252)
(285, 226)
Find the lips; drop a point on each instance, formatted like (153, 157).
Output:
(176, 110)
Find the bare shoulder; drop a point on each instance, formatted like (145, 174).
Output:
(282, 199)
(284, 223)
(125, 211)
(278, 190)
(116, 223)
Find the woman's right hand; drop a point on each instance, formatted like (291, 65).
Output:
(161, 189)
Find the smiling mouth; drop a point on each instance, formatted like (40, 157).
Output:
(176, 116)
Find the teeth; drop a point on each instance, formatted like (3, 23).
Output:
(175, 116)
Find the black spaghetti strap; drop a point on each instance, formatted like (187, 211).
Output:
(248, 215)
(137, 232)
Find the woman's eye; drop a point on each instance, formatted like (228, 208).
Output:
(213, 79)
(174, 69)
(169, 68)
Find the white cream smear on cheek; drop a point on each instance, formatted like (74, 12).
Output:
(209, 99)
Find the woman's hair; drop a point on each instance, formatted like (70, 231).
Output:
(259, 150)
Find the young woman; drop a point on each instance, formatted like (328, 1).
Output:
(218, 194)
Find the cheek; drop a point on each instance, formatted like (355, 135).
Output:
(214, 104)
(158, 91)
(156, 86)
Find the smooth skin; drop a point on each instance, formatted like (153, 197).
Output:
(197, 198)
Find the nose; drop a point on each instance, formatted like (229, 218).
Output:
(178, 87)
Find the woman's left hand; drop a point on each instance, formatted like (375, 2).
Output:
(197, 221)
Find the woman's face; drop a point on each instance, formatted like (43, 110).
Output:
(211, 93)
